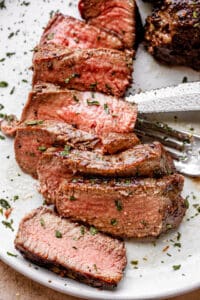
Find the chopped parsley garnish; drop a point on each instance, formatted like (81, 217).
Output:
(93, 230)
(11, 254)
(176, 267)
(93, 102)
(185, 79)
(34, 122)
(42, 223)
(58, 234)
(93, 86)
(118, 205)
(134, 262)
(1, 106)
(72, 198)
(3, 84)
(2, 59)
(82, 230)
(177, 245)
(75, 98)
(12, 91)
(4, 204)
(11, 35)
(113, 222)
(75, 75)
(9, 54)
(8, 224)
(186, 202)
(2, 4)
(42, 148)
(66, 151)
(2, 137)
(108, 87)
(106, 108)
(50, 36)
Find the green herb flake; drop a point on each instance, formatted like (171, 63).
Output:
(2, 4)
(3, 84)
(8, 224)
(75, 75)
(12, 91)
(113, 222)
(66, 151)
(93, 230)
(106, 108)
(2, 59)
(42, 148)
(58, 234)
(93, 102)
(42, 223)
(9, 54)
(4, 204)
(50, 36)
(82, 229)
(2, 137)
(75, 98)
(72, 198)
(11, 35)
(118, 205)
(134, 262)
(186, 203)
(178, 236)
(93, 86)
(176, 267)
(11, 254)
(34, 122)
(177, 245)
(95, 267)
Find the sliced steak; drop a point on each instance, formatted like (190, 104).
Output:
(149, 160)
(34, 137)
(8, 125)
(73, 33)
(173, 33)
(145, 160)
(92, 112)
(104, 70)
(116, 16)
(70, 249)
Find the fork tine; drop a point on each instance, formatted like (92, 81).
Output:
(143, 124)
(164, 140)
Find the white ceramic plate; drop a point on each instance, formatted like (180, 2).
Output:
(20, 28)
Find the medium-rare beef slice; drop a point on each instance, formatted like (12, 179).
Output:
(35, 136)
(149, 160)
(53, 166)
(103, 70)
(124, 208)
(173, 33)
(8, 125)
(73, 33)
(70, 249)
(115, 16)
(111, 119)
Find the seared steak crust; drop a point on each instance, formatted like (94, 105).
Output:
(115, 16)
(73, 33)
(173, 33)
(70, 249)
(34, 137)
(150, 160)
(104, 70)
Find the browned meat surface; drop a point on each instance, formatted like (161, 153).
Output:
(123, 207)
(92, 112)
(173, 33)
(149, 160)
(115, 16)
(70, 249)
(104, 70)
(35, 136)
(73, 33)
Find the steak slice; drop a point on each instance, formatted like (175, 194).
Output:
(123, 208)
(92, 112)
(104, 70)
(149, 160)
(53, 166)
(116, 16)
(70, 249)
(173, 33)
(35, 136)
(73, 33)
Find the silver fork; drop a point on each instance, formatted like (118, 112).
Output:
(183, 146)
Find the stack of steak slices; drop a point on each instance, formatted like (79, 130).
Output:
(81, 146)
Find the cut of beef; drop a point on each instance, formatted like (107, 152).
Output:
(73, 33)
(123, 207)
(149, 160)
(115, 16)
(70, 249)
(104, 70)
(173, 33)
(111, 119)
(35, 136)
